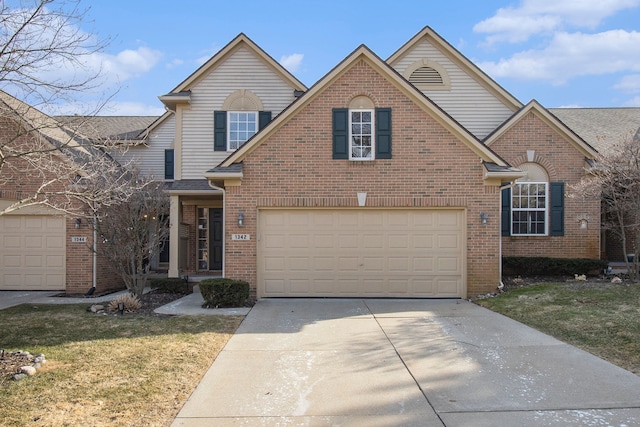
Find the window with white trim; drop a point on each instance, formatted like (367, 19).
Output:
(242, 125)
(529, 209)
(361, 126)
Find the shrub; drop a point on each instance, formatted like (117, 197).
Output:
(224, 293)
(543, 266)
(131, 303)
(171, 285)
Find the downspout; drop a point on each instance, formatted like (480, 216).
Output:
(95, 252)
(511, 184)
(224, 223)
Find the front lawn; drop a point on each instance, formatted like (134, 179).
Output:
(598, 317)
(106, 370)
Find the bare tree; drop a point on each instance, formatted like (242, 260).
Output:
(45, 56)
(615, 177)
(45, 163)
(133, 232)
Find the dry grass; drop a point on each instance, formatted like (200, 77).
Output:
(601, 318)
(106, 370)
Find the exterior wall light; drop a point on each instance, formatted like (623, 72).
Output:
(77, 223)
(484, 218)
(240, 220)
(583, 221)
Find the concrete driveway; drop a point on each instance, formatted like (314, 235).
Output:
(318, 362)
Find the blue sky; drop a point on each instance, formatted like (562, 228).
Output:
(583, 53)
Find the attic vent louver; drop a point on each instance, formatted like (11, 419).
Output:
(426, 76)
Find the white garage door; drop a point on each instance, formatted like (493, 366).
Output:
(361, 253)
(32, 252)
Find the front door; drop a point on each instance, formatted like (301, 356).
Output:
(216, 237)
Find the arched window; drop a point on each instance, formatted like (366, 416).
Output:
(530, 202)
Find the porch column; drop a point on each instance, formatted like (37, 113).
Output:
(175, 218)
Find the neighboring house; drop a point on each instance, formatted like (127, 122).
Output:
(406, 177)
(602, 127)
(41, 248)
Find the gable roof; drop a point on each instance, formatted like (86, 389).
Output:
(64, 141)
(462, 61)
(182, 92)
(240, 40)
(118, 128)
(551, 120)
(601, 127)
(364, 53)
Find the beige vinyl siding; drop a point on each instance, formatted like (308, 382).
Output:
(467, 101)
(150, 157)
(242, 70)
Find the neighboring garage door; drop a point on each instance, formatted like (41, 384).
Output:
(361, 253)
(32, 252)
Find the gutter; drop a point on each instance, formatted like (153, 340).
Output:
(502, 187)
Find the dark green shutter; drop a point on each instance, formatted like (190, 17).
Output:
(220, 130)
(264, 117)
(383, 133)
(340, 133)
(506, 212)
(168, 164)
(556, 216)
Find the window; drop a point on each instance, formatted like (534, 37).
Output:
(361, 136)
(169, 164)
(534, 206)
(231, 129)
(529, 209)
(242, 126)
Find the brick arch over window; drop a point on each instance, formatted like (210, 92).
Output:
(426, 74)
(242, 100)
(362, 100)
(540, 160)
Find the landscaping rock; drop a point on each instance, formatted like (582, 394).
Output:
(29, 370)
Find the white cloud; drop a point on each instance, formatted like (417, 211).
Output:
(572, 54)
(175, 63)
(131, 109)
(532, 17)
(291, 62)
(129, 63)
(629, 84)
(633, 102)
(113, 108)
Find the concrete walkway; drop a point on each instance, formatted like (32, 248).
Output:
(315, 362)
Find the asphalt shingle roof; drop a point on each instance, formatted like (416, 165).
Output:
(600, 127)
(121, 128)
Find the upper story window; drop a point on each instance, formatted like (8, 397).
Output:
(241, 117)
(361, 124)
(242, 125)
(361, 132)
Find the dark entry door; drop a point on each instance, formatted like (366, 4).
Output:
(216, 236)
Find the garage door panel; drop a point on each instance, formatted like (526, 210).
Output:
(360, 252)
(32, 252)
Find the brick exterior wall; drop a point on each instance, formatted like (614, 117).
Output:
(563, 163)
(20, 180)
(430, 168)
